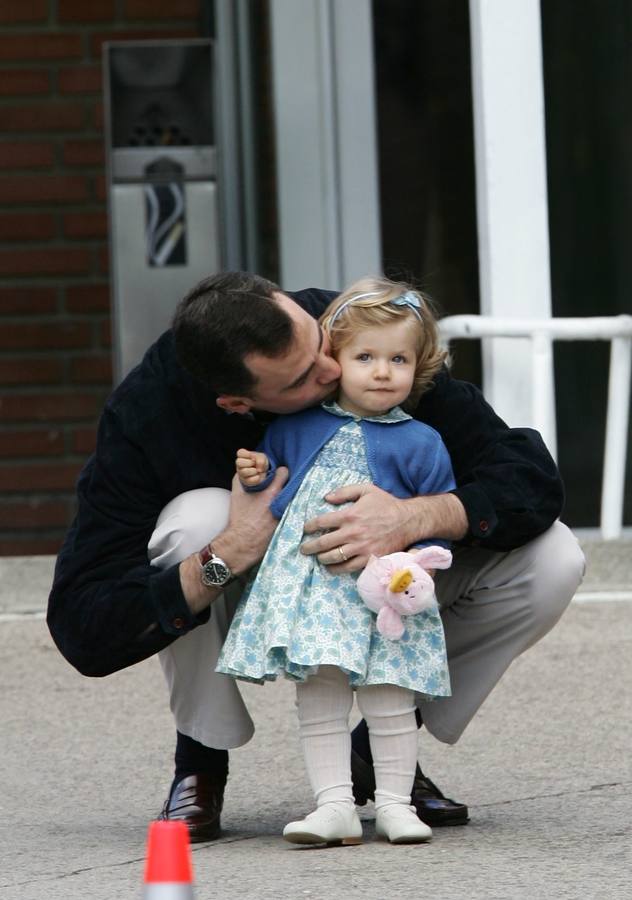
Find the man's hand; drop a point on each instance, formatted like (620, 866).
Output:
(242, 543)
(250, 524)
(251, 466)
(378, 523)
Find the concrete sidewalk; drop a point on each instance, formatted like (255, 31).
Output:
(546, 768)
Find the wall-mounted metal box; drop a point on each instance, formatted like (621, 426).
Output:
(162, 184)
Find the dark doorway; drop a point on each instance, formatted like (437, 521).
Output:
(588, 79)
(426, 153)
(428, 203)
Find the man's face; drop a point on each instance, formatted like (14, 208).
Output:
(304, 376)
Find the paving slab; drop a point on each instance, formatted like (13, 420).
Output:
(608, 564)
(545, 767)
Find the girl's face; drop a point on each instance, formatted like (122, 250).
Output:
(378, 369)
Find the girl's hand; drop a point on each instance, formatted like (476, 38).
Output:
(251, 467)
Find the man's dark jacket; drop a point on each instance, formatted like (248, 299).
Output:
(161, 433)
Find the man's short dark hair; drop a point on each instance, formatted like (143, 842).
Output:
(223, 319)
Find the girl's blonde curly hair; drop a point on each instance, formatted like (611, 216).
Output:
(376, 308)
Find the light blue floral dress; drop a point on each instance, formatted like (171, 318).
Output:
(295, 614)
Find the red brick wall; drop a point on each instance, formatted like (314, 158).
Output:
(55, 368)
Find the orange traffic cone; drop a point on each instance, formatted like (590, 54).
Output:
(168, 869)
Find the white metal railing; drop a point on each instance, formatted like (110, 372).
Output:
(542, 333)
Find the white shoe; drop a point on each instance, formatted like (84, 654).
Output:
(400, 824)
(332, 823)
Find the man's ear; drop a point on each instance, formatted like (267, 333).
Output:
(232, 404)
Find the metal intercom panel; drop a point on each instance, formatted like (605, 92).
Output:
(165, 232)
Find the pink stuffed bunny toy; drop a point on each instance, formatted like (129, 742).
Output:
(398, 585)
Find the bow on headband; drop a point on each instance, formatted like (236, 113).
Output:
(409, 299)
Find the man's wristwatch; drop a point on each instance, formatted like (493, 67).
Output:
(215, 572)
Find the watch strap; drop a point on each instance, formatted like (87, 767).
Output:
(206, 553)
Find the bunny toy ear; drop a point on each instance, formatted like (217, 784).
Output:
(433, 557)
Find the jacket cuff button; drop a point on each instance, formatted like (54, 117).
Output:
(178, 622)
(483, 525)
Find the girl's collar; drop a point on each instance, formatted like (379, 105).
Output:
(396, 414)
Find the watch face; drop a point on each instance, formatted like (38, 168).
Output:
(215, 573)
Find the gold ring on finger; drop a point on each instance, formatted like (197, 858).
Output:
(342, 553)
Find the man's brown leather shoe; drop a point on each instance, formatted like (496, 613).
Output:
(197, 801)
(432, 807)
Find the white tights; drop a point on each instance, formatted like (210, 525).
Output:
(324, 702)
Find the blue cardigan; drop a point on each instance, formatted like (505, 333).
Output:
(405, 458)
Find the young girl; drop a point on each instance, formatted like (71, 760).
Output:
(301, 619)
